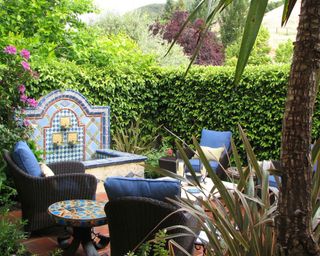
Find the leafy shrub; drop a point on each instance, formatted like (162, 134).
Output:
(207, 98)
(284, 52)
(6, 192)
(164, 149)
(136, 26)
(210, 53)
(232, 21)
(50, 23)
(157, 246)
(15, 74)
(8, 137)
(10, 236)
(259, 54)
(130, 139)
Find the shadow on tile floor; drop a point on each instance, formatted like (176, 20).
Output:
(46, 243)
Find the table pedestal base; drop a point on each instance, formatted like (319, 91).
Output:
(81, 236)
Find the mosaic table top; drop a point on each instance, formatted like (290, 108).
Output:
(78, 213)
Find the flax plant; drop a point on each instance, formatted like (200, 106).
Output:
(237, 221)
(240, 221)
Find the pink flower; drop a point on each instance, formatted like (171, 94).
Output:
(23, 98)
(32, 102)
(25, 65)
(26, 123)
(22, 89)
(25, 54)
(10, 49)
(169, 152)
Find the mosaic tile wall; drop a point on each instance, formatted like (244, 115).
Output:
(88, 128)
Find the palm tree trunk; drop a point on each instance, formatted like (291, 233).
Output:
(294, 234)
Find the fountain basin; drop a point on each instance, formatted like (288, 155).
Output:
(110, 162)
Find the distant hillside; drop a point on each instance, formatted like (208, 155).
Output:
(153, 10)
(278, 34)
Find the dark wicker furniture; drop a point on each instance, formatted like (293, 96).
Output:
(37, 193)
(224, 160)
(132, 220)
(168, 163)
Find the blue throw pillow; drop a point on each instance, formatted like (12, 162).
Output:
(215, 139)
(25, 159)
(152, 188)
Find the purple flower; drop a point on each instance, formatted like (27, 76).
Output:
(22, 88)
(32, 102)
(25, 65)
(10, 49)
(23, 98)
(25, 54)
(26, 123)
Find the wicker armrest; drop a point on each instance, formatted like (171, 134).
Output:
(224, 163)
(67, 167)
(60, 187)
(189, 152)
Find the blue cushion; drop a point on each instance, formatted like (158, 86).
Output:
(215, 139)
(196, 165)
(152, 188)
(272, 181)
(25, 159)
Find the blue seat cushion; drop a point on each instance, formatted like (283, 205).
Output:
(215, 139)
(196, 165)
(272, 181)
(25, 159)
(152, 188)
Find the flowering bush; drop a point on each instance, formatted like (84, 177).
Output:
(15, 73)
(169, 152)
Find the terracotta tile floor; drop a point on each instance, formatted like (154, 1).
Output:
(44, 244)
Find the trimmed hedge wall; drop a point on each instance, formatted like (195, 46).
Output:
(204, 98)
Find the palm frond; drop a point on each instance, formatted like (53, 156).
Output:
(288, 7)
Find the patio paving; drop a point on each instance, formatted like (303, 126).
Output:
(45, 244)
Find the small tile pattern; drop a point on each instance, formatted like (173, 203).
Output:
(65, 151)
(92, 123)
(78, 213)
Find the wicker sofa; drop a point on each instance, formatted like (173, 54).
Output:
(37, 193)
(134, 220)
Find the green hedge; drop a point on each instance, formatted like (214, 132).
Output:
(206, 97)
(129, 93)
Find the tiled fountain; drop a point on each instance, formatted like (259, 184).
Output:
(67, 127)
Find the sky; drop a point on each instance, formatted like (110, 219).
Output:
(122, 6)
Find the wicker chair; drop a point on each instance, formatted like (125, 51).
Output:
(213, 139)
(132, 220)
(37, 193)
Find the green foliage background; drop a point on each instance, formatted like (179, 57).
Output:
(232, 21)
(205, 98)
(260, 52)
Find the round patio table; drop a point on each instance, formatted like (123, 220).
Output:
(81, 215)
